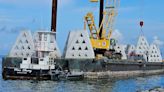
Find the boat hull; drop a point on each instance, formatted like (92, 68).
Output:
(105, 68)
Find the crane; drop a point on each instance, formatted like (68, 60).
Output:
(54, 15)
(100, 37)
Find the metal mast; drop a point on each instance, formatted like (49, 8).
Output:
(101, 16)
(54, 16)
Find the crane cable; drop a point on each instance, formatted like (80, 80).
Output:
(141, 16)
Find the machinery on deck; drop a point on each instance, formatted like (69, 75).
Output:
(100, 37)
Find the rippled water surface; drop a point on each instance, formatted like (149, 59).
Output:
(127, 85)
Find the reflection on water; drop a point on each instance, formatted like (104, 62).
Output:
(140, 83)
(127, 85)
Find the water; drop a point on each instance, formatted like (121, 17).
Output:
(127, 85)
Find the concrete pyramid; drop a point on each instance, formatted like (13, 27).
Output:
(24, 45)
(131, 49)
(142, 45)
(78, 46)
(121, 49)
(154, 54)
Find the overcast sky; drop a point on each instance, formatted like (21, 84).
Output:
(16, 15)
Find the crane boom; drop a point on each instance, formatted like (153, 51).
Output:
(54, 15)
(101, 37)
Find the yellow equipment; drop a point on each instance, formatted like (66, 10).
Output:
(93, 0)
(101, 37)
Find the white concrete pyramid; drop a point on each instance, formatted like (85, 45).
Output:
(78, 46)
(154, 54)
(142, 45)
(24, 45)
(121, 49)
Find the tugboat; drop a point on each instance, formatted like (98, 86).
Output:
(34, 56)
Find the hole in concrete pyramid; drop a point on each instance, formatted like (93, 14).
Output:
(83, 41)
(81, 35)
(23, 47)
(155, 51)
(86, 48)
(26, 41)
(141, 43)
(86, 55)
(73, 48)
(77, 41)
(139, 47)
(79, 48)
(27, 54)
(29, 47)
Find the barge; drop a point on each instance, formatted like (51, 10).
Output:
(37, 56)
(82, 69)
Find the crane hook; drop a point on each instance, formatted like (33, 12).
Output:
(141, 23)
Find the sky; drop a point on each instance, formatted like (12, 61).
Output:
(17, 15)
